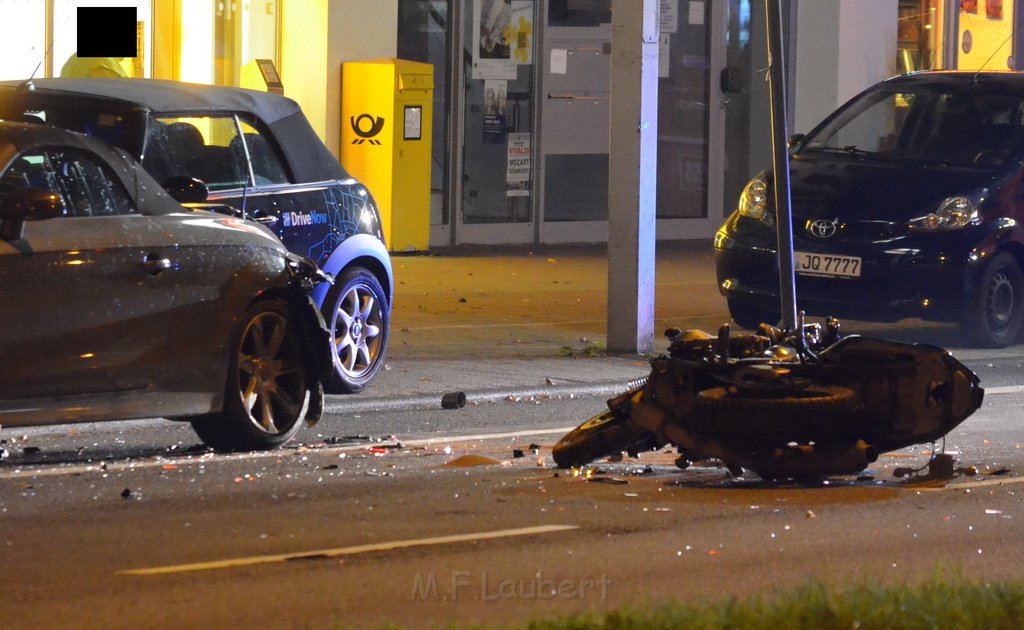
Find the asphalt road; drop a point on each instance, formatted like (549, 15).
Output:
(420, 516)
(393, 510)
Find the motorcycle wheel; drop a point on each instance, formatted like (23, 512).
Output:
(605, 434)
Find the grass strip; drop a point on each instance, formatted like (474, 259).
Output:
(935, 604)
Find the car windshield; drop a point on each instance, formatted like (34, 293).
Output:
(931, 124)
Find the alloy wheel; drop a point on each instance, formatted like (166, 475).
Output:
(357, 330)
(270, 377)
(1001, 301)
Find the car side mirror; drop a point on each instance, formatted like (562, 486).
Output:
(187, 189)
(27, 204)
(795, 139)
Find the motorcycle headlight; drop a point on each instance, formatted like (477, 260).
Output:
(952, 214)
(754, 200)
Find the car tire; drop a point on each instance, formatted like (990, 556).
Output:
(359, 320)
(995, 318)
(750, 315)
(266, 394)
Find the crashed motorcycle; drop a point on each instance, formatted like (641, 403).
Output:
(784, 404)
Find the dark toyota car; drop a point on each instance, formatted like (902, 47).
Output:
(253, 153)
(120, 303)
(907, 202)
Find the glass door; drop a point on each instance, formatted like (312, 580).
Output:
(496, 123)
(703, 114)
(423, 35)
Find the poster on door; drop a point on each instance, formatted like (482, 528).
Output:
(495, 92)
(492, 52)
(521, 32)
(517, 176)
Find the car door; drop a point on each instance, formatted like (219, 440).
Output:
(242, 167)
(86, 295)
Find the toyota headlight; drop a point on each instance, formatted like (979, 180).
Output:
(754, 200)
(952, 214)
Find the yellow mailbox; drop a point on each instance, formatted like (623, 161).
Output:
(386, 107)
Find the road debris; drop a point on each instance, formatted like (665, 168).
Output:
(612, 480)
(471, 460)
(453, 400)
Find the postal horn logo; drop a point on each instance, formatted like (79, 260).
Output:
(359, 126)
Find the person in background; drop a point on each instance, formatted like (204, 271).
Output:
(93, 67)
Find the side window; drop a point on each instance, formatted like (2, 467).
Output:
(28, 170)
(87, 188)
(197, 147)
(215, 149)
(267, 167)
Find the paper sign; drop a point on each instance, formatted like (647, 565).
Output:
(669, 16)
(559, 60)
(696, 13)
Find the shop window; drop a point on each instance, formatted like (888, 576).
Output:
(65, 32)
(579, 12)
(22, 49)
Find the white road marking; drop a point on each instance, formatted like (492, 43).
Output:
(209, 458)
(1007, 389)
(347, 551)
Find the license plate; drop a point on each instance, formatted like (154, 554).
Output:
(827, 265)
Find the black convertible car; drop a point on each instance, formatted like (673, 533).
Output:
(908, 201)
(120, 303)
(255, 154)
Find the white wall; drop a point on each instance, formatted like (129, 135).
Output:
(358, 29)
(318, 36)
(865, 33)
(303, 57)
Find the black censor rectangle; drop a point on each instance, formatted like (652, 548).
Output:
(107, 32)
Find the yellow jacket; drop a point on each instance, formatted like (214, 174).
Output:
(92, 67)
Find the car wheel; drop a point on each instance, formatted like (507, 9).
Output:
(994, 319)
(358, 317)
(750, 315)
(266, 392)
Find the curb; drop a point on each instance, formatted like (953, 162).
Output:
(341, 404)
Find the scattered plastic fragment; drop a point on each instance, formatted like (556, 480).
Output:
(128, 495)
(471, 460)
(611, 480)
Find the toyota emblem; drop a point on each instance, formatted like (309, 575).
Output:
(822, 228)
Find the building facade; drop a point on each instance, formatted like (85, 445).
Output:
(522, 87)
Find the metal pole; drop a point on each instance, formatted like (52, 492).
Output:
(780, 162)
